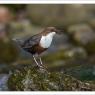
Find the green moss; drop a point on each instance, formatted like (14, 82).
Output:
(35, 79)
(65, 55)
(90, 47)
(39, 80)
(8, 51)
(60, 55)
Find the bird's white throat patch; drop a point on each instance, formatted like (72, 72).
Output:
(45, 41)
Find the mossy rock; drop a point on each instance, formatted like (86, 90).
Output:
(34, 79)
(84, 72)
(90, 47)
(83, 35)
(52, 16)
(65, 58)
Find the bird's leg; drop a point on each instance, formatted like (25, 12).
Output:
(36, 61)
(41, 61)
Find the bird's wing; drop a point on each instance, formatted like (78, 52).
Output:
(31, 41)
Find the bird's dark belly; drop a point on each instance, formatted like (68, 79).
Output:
(36, 49)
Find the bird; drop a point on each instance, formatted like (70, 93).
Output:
(39, 43)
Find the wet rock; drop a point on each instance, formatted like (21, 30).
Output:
(34, 79)
(76, 52)
(82, 34)
(59, 17)
(66, 54)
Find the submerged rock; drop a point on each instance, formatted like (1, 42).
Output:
(34, 79)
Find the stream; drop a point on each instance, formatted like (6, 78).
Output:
(3, 82)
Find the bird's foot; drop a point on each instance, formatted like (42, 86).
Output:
(42, 67)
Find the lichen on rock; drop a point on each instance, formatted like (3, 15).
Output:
(35, 79)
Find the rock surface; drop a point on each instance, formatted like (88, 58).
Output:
(34, 79)
(83, 35)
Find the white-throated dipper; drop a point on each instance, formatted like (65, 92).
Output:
(39, 43)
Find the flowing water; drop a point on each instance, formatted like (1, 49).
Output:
(3, 82)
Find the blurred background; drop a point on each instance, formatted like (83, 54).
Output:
(72, 52)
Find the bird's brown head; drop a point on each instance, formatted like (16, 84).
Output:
(51, 29)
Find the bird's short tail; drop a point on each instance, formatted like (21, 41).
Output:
(18, 41)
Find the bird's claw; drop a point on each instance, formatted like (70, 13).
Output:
(42, 67)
